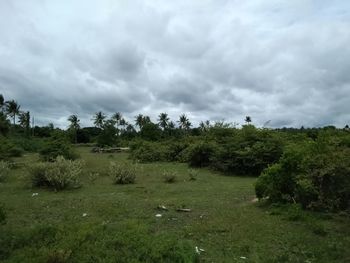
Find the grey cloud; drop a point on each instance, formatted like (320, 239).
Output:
(281, 61)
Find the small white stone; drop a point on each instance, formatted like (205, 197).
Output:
(243, 258)
(35, 194)
(158, 215)
(85, 214)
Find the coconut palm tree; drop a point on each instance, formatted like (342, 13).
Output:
(248, 119)
(24, 120)
(99, 119)
(74, 125)
(117, 117)
(141, 120)
(184, 122)
(163, 120)
(12, 108)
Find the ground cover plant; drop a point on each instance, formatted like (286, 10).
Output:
(104, 222)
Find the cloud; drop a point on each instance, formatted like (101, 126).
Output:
(273, 60)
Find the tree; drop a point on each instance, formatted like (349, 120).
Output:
(12, 108)
(163, 120)
(4, 124)
(2, 103)
(74, 125)
(99, 119)
(24, 120)
(117, 117)
(184, 122)
(141, 120)
(107, 136)
(248, 119)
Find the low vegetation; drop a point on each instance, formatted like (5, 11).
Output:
(4, 170)
(122, 173)
(58, 175)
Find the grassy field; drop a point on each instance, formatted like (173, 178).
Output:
(102, 222)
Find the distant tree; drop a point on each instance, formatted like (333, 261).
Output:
(24, 120)
(248, 119)
(99, 119)
(184, 122)
(74, 125)
(150, 131)
(2, 103)
(163, 120)
(204, 126)
(141, 120)
(4, 124)
(117, 117)
(12, 108)
(108, 135)
(51, 126)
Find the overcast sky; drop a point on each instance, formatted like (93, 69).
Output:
(284, 61)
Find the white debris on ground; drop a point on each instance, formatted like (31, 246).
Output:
(199, 250)
(162, 207)
(85, 214)
(242, 257)
(158, 215)
(35, 194)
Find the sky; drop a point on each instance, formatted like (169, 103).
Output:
(282, 62)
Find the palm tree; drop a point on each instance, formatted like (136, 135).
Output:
(24, 120)
(163, 120)
(74, 125)
(2, 103)
(117, 117)
(99, 119)
(141, 120)
(184, 122)
(12, 108)
(248, 119)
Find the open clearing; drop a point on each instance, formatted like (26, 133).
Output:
(102, 222)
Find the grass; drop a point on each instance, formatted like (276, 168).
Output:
(103, 222)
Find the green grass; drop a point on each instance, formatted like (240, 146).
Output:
(121, 226)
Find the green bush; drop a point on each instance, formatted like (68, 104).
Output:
(4, 170)
(8, 149)
(200, 154)
(169, 177)
(143, 151)
(58, 175)
(57, 146)
(122, 173)
(28, 144)
(2, 215)
(314, 174)
(192, 174)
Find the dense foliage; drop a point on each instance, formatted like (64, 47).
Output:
(315, 174)
(57, 145)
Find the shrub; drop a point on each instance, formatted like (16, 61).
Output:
(122, 173)
(2, 215)
(8, 149)
(169, 177)
(4, 170)
(58, 175)
(57, 146)
(147, 151)
(200, 154)
(314, 174)
(192, 174)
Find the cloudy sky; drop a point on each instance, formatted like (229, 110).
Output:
(279, 60)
